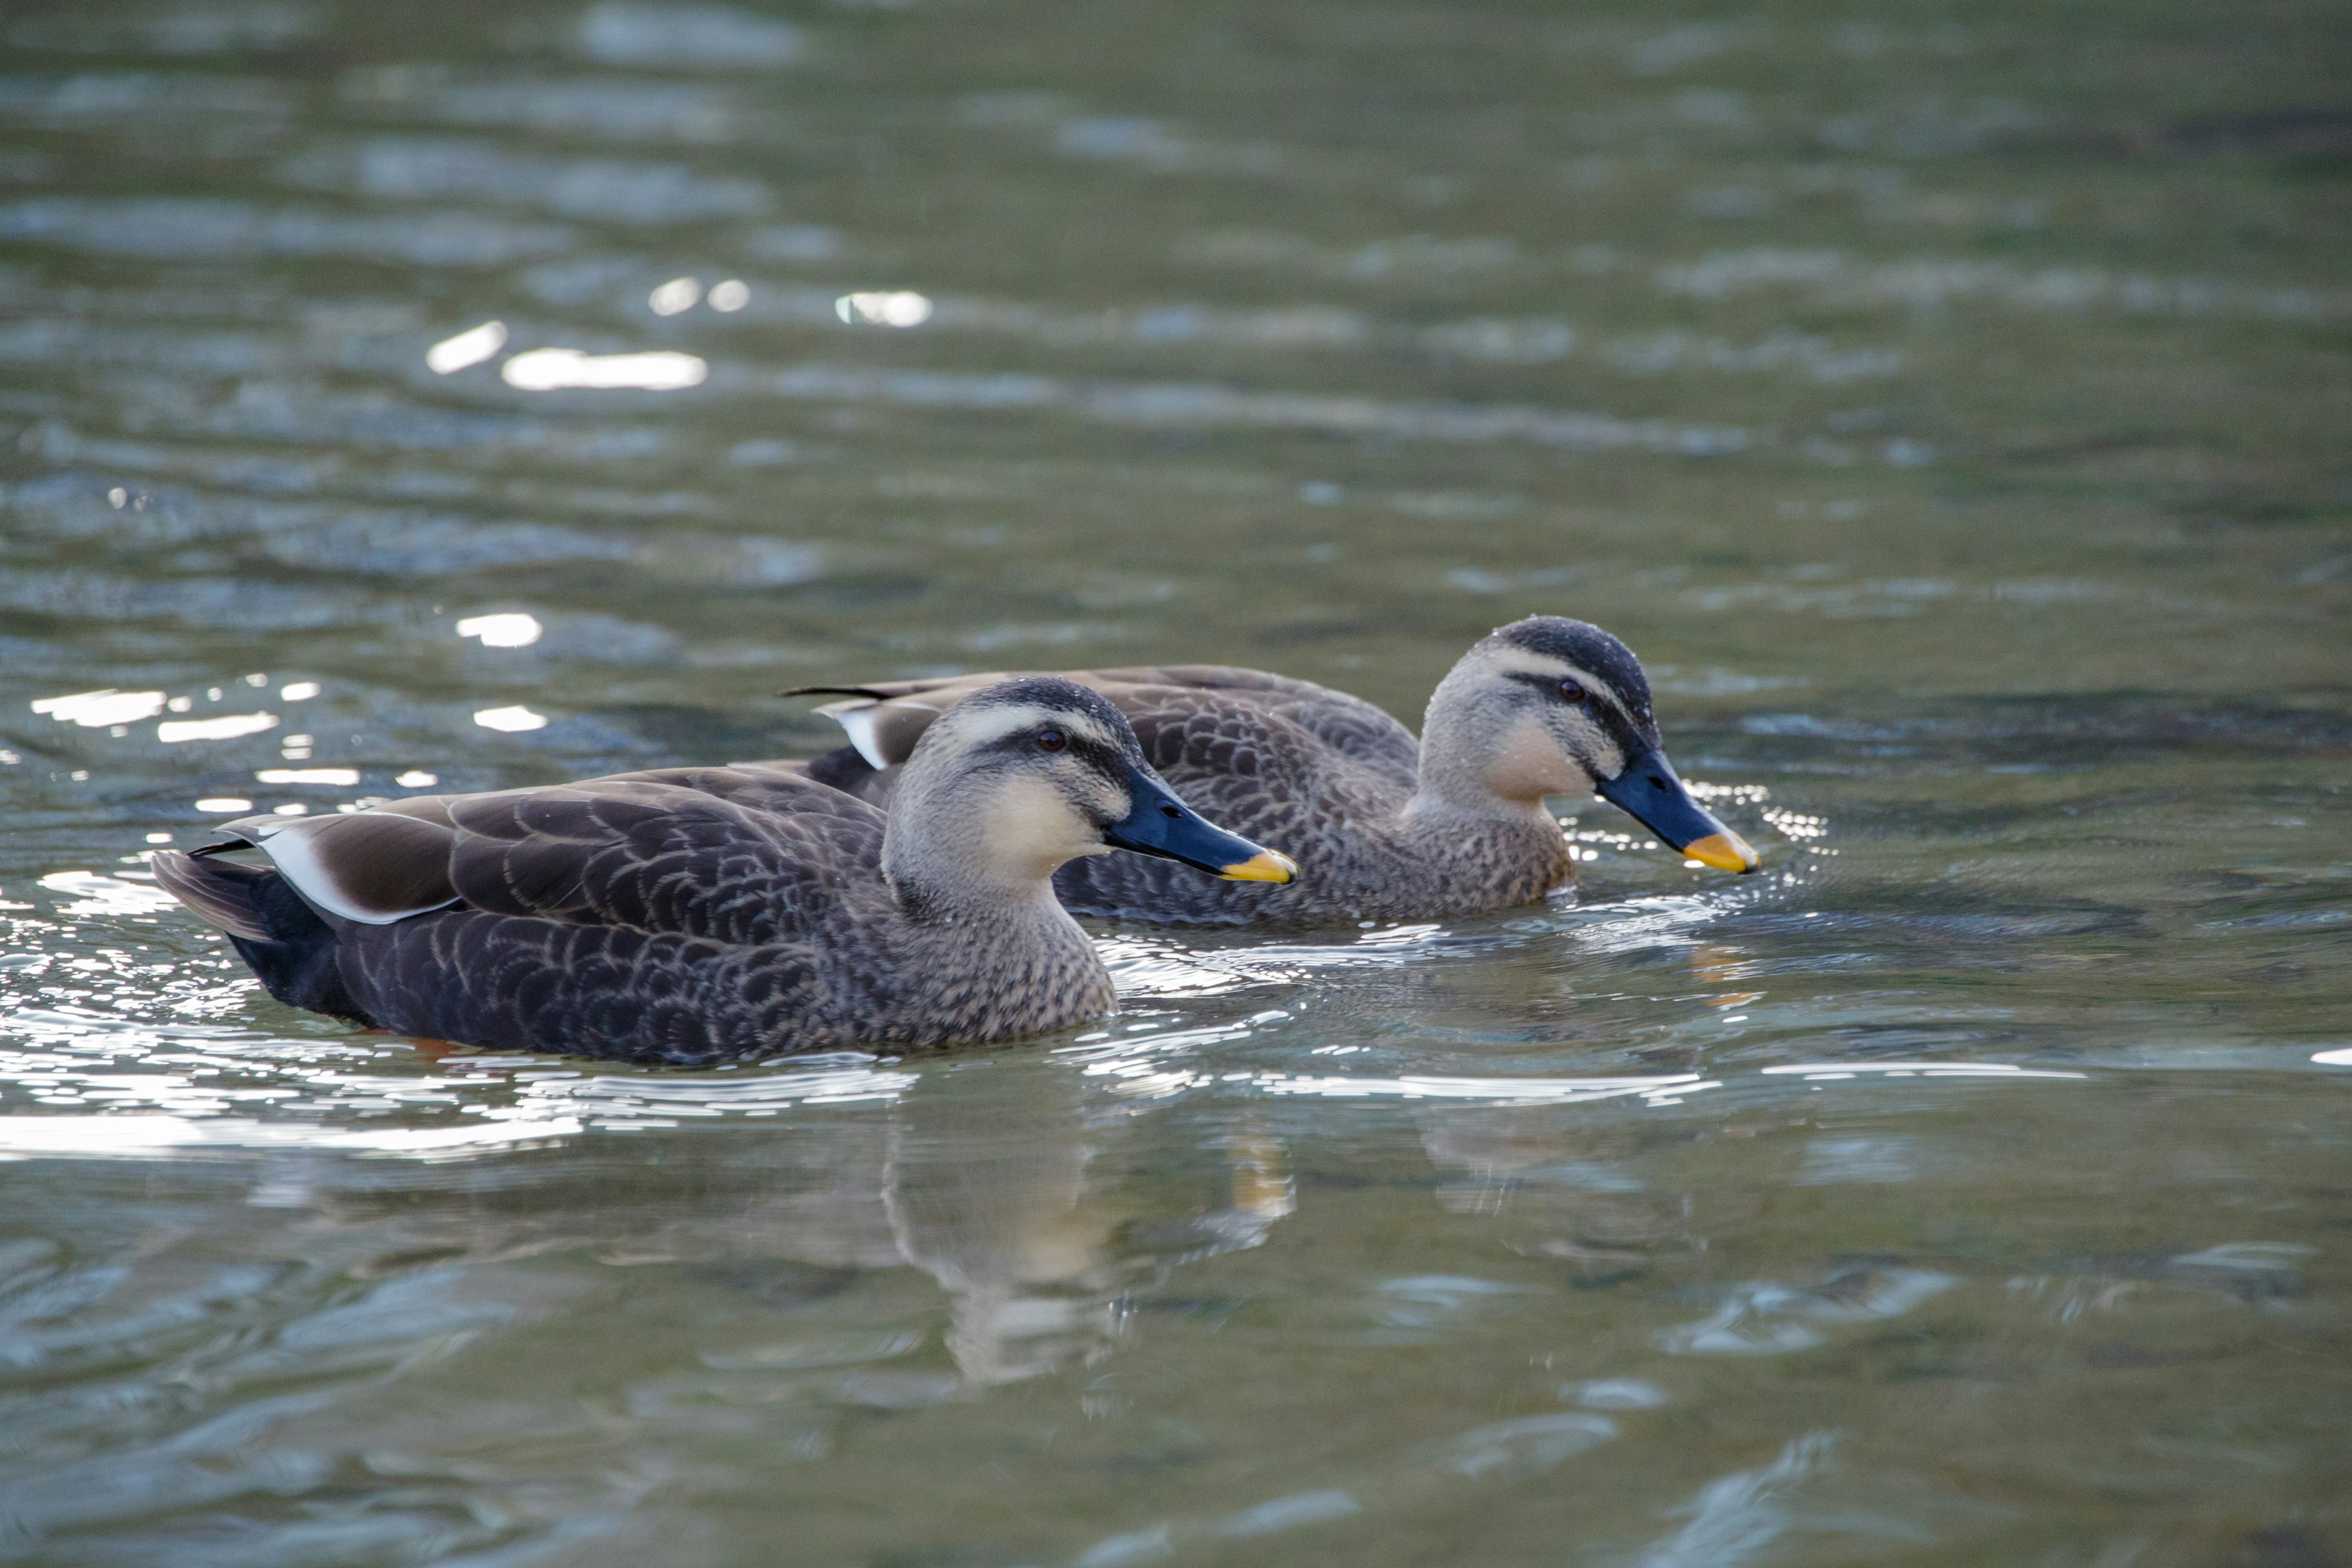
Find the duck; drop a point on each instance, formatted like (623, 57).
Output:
(1382, 826)
(703, 914)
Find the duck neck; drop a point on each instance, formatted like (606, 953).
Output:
(937, 903)
(934, 858)
(987, 958)
(1466, 770)
(1478, 807)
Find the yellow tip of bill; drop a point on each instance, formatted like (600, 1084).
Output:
(1726, 851)
(1266, 865)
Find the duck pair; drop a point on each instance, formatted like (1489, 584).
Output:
(916, 887)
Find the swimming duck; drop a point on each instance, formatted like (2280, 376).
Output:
(703, 914)
(1382, 826)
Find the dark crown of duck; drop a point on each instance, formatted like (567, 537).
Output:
(1585, 649)
(1019, 820)
(1549, 690)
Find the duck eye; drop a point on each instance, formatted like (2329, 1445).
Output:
(1571, 693)
(1051, 740)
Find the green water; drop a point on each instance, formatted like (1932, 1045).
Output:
(1950, 404)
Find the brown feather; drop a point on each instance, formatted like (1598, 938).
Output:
(216, 891)
(1320, 775)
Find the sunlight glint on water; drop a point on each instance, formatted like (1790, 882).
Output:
(1947, 408)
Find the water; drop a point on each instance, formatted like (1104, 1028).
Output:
(1948, 404)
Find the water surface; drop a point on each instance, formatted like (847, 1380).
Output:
(1948, 404)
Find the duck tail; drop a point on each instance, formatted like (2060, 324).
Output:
(281, 938)
(219, 891)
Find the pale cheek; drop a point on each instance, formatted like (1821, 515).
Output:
(1606, 756)
(1534, 763)
(1031, 825)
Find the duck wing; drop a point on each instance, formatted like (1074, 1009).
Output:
(730, 855)
(1344, 725)
(1212, 714)
(1294, 776)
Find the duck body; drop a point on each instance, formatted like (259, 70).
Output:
(1381, 824)
(1328, 776)
(706, 914)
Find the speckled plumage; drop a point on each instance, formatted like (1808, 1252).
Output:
(1321, 776)
(1328, 779)
(693, 914)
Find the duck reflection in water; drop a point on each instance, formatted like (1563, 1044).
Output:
(994, 1178)
(986, 1178)
(1560, 1190)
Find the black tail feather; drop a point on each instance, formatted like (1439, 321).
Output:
(283, 939)
(843, 769)
(836, 691)
(219, 891)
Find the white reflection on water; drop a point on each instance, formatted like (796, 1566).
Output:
(514, 719)
(180, 1088)
(101, 709)
(1525, 1446)
(228, 726)
(899, 309)
(1615, 1393)
(551, 370)
(1761, 1318)
(140, 1137)
(1132, 1547)
(618, 1101)
(2259, 1274)
(1289, 1513)
(1738, 1515)
(1138, 1066)
(510, 628)
(675, 297)
(1822, 1072)
(93, 894)
(1497, 1091)
(1161, 1541)
(1672, 921)
(1158, 966)
(470, 347)
(344, 777)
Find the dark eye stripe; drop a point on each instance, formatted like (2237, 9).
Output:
(1603, 705)
(1104, 760)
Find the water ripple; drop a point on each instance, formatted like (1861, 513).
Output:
(186, 227)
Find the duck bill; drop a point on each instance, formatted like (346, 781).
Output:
(1650, 792)
(1161, 825)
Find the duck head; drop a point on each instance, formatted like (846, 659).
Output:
(1551, 706)
(1017, 778)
